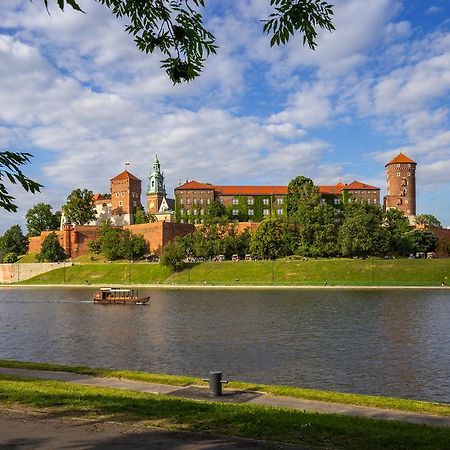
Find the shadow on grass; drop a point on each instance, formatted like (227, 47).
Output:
(246, 421)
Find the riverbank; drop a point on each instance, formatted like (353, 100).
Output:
(309, 273)
(242, 414)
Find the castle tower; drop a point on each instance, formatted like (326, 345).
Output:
(401, 185)
(156, 191)
(125, 198)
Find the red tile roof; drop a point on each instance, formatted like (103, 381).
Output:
(125, 175)
(401, 158)
(271, 190)
(359, 185)
(252, 190)
(195, 185)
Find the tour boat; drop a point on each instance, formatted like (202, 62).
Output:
(119, 295)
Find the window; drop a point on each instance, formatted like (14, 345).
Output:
(134, 203)
(398, 166)
(265, 212)
(181, 201)
(194, 212)
(195, 201)
(202, 211)
(322, 201)
(235, 212)
(235, 201)
(201, 201)
(280, 211)
(409, 174)
(375, 201)
(120, 203)
(279, 201)
(188, 201)
(265, 201)
(208, 202)
(250, 201)
(337, 201)
(406, 201)
(188, 211)
(398, 174)
(409, 166)
(251, 212)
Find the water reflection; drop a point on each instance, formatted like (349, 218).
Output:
(375, 342)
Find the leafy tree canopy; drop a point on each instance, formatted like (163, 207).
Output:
(40, 218)
(175, 28)
(428, 219)
(10, 163)
(79, 208)
(173, 256)
(271, 240)
(51, 250)
(140, 216)
(14, 241)
(423, 241)
(302, 194)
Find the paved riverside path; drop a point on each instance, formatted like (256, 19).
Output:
(244, 397)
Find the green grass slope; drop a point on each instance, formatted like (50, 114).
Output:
(336, 272)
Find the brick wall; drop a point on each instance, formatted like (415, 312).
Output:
(441, 233)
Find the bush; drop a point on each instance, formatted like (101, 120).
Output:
(173, 256)
(10, 258)
(51, 250)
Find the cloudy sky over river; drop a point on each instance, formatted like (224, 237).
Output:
(77, 94)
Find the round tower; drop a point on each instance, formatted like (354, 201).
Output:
(401, 185)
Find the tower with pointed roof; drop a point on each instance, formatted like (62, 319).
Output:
(401, 185)
(125, 198)
(156, 191)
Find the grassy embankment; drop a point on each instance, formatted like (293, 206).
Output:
(338, 272)
(314, 430)
(289, 391)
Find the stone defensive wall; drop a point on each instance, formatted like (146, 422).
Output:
(13, 273)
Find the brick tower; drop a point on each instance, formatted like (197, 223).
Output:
(156, 191)
(125, 198)
(401, 185)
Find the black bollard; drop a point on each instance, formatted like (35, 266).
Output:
(215, 384)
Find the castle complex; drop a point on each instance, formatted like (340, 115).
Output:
(244, 203)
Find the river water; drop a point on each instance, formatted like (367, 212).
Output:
(385, 342)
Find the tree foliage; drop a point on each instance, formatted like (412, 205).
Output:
(302, 195)
(428, 219)
(271, 239)
(173, 255)
(140, 216)
(40, 218)
(10, 163)
(362, 232)
(175, 28)
(116, 243)
(422, 241)
(14, 241)
(79, 208)
(51, 250)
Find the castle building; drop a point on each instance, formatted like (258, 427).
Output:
(401, 185)
(254, 203)
(125, 198)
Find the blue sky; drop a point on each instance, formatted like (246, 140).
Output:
(78, 95)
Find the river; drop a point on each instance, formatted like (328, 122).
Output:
(382, 342)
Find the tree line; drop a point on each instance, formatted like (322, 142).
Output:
(310, 229)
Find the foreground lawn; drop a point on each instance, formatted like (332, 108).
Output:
(309, 394)
(333, 272)
(270, 424)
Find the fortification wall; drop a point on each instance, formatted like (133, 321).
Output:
(14, 273)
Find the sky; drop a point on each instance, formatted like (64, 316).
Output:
(77, 94)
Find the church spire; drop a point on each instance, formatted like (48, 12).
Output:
(156, 179)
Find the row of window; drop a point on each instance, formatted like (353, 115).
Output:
(363, 200)
(123, 193)
(251, 201)
(251, 212)
(196, 192)
(195, 201)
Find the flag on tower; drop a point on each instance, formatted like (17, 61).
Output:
(126, 165)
